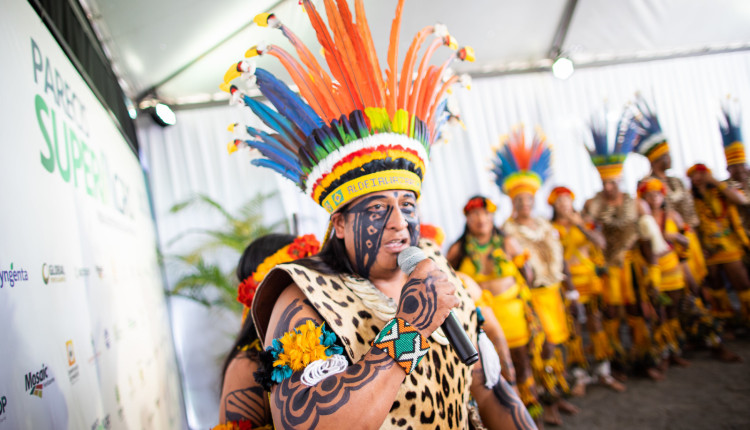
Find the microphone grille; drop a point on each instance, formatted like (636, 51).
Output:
(409, 258)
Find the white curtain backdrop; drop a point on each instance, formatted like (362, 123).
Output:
(191, 157)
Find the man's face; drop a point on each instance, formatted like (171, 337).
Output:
(479, 222)
(523, 204)
(738, 172)
(610, 187)
(376, 228)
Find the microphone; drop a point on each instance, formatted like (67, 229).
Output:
(459, 340)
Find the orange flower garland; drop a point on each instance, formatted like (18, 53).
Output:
(301, 247)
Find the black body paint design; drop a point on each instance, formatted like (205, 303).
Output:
(287, 320)
(299, 404)
(509, 400)
(418, 302)
(247, 404)
(369, 226)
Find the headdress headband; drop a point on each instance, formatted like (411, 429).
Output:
(652, 143)
(353, 131)
(609, 159)
(731, 134)
(558, 192)
(480, 202)
(521, 168)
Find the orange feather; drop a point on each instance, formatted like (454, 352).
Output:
(321, 79)
(415, 91)
(369, 88)
(333, 58)
(392, 58)
(408, 68)
(299, 77)
(364, 31)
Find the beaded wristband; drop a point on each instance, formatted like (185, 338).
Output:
(403, 343)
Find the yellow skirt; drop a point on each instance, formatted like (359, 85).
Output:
(695, 259)
(510, 312)
(618, 284)
(731, 250)
(584, 279)
(672, 277)
(550, 309)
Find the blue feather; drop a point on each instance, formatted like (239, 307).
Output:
(272, 119)
(264, 162)
(289, 104)
(273, 139)
(273, 154)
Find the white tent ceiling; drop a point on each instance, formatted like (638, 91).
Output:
(182, 48)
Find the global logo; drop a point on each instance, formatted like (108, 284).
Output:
(11, 276)
(36, 381)
(52, 273)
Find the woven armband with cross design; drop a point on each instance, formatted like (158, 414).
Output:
(402, 342)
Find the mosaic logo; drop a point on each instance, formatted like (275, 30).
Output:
(11, 276)
(35, 382)
(73, 372)
(52, 273)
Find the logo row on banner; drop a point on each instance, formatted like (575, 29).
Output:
(41, 379)
(14, 275)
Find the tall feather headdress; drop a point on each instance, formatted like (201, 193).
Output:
(731, 133)
(609, 157)
(351, 131)
(519, 167)
(651, 141)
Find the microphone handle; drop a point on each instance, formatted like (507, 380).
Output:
(459, 340)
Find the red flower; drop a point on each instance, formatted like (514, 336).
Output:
(246, 291)
(304, 246)
(246, 425)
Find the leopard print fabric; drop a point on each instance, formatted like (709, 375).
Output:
(619, 225)
(436, 394)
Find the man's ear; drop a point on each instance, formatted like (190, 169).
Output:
(339, 224)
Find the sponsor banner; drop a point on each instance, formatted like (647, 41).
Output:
(81, 295)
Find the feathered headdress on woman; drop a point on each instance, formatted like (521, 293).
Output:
(353, 131)
(731, 134)
(651, 141)
(610, 158)
(521, 168)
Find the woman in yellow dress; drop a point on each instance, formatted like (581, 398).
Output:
(723, 238)
(492, 260)
(667, 287)
(582, 245)
(520, 170)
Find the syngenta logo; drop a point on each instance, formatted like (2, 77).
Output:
(11, 276)
(36, 381)
(52, 273)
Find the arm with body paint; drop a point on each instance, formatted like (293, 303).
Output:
(500, 407)
(365, 391)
